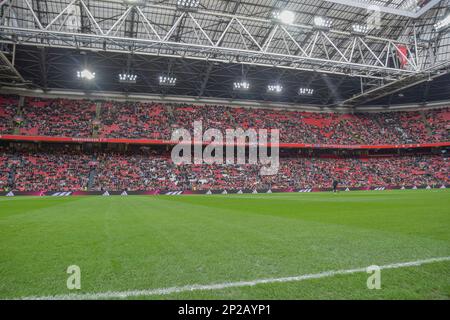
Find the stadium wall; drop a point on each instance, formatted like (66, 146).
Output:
(206, 192)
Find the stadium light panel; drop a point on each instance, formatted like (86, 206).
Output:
(85, 74)
(284, 16)
(165, 80)
(360, 28)
(274, 88)
(443, 23)
(322, 22)
(127, 78)
(305, 91)
(241, 85)
(188, 4)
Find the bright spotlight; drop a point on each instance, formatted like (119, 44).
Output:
(188, 4)
(305, 91)
(127, 78)
(361, 29)
(322, 22)
(165, 80)
(274, 88)
(443, 23)
(287, 16)
(85, 74)
(241, 85)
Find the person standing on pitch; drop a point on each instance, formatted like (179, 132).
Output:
(335, 185)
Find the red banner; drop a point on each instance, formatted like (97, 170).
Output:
(170, 142)
(402, 53)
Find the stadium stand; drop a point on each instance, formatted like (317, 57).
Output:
(4, 170)
(74, 118)
(140, 172)
(134, 120)
(7, 111)
(58, 117)
(65, 169)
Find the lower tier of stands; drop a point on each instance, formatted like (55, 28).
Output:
(68, 169)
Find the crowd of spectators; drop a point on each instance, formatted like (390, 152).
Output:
(344, 129)
(361, 172)
(61, 170)
(69, 170)
(58, 117)
(211, 116)
(438, 124)
(134, 120)
(8, 110)
(5, 169)
(148, 171)
(139, 120)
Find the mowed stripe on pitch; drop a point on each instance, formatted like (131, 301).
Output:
(225, 285)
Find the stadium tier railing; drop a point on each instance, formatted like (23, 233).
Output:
(8, 137)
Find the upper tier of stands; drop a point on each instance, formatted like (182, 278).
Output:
(8, 108)
(84, 118)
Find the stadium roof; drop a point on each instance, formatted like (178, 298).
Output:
(210, 47)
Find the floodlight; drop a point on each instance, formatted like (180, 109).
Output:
(127, 78)
(274, 88)
(284, 16)
(305, 91)
(188, 4)
(241, 85)
(322, 22)
(85, 74)
(361, 29)
(287, 16)
(165, 80)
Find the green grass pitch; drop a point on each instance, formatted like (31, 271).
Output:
(150, 242)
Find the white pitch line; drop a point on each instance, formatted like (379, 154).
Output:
(225, 285)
